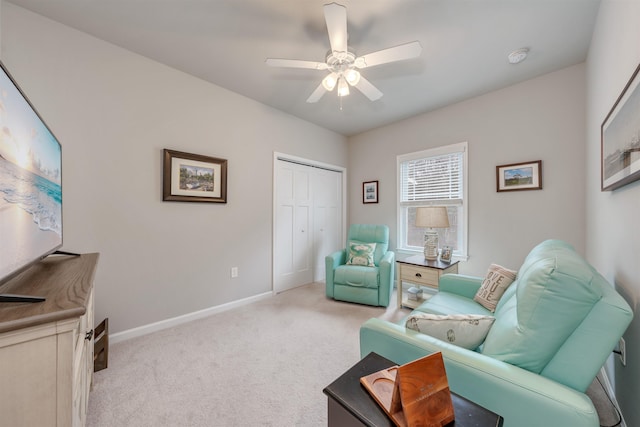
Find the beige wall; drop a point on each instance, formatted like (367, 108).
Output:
(114, 112)
(540, 119)
(613, 238)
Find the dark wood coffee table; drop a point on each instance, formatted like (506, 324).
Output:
(351, 405)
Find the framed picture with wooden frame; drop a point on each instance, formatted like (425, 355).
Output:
(519, 176)
(620, 138)
(193, 178)
(370, 192)
(445, 255)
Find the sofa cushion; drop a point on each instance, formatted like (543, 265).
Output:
(359, 253)
(356, 275)
(463, 330)
(450, 303)
(553, 293)
(496, 281)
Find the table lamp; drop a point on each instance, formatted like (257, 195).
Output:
(431, 217)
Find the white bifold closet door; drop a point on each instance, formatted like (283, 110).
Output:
(307, 222)
(327, 218)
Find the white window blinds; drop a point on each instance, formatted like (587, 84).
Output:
(432, 178)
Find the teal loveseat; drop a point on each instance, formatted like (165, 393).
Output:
(554, 328)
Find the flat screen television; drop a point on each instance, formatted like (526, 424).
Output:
(30, 184)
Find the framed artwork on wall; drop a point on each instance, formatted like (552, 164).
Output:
(370, 192)
(620, 138)
(193, 178)
(519, 176)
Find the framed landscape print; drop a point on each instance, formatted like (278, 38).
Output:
(620, 138)
(370, 192)
(193, 178)
(519, 176)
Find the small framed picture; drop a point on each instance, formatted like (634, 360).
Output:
(445, 255)
(370, 192)
(193, 178)
(519, 176)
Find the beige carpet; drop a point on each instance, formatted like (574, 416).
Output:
(264, 364)
(260, 365)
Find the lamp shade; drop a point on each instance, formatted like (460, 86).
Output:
(343, 87)
(352, 76)
(330, 81)
(432, 216)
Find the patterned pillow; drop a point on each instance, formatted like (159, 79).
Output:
(493, 286)
(463, 330)
(361, 254)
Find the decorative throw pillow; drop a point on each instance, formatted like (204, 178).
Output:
(463, 330)
(493, 286)
(361, 254)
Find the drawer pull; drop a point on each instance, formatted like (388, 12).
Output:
(418, 275)
(88, 335)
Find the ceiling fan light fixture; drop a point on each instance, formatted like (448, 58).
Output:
(342, 65)
(343, 87)
(330, 81)
(352, 76)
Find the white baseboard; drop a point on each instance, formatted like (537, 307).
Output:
(168, 323)
(612, 395)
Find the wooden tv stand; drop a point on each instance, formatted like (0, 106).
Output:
(46, 348)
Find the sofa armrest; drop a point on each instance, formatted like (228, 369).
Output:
(460, 284)
(387, 268)
(388, 258)
(387, 263)
(522, 398)
(331, 262)
(336, 259)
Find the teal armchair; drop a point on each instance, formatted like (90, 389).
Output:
(371, 285)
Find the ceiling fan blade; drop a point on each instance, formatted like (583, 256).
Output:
(317, 94)
(392, 54)
(369, 90)
(336, 17)
(295, 63)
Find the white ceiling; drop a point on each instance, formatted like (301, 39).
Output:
(465, 46)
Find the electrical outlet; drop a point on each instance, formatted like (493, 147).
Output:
(234, 272)
(623, 351)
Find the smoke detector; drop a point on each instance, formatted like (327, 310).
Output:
(517, 56)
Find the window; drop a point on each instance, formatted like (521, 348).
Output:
(435, 177)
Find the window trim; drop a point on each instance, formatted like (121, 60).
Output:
(461, 147)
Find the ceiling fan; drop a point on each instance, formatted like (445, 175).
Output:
(342, 64)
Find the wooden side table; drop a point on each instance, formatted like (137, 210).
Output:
(420, 272)
(350, 404)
